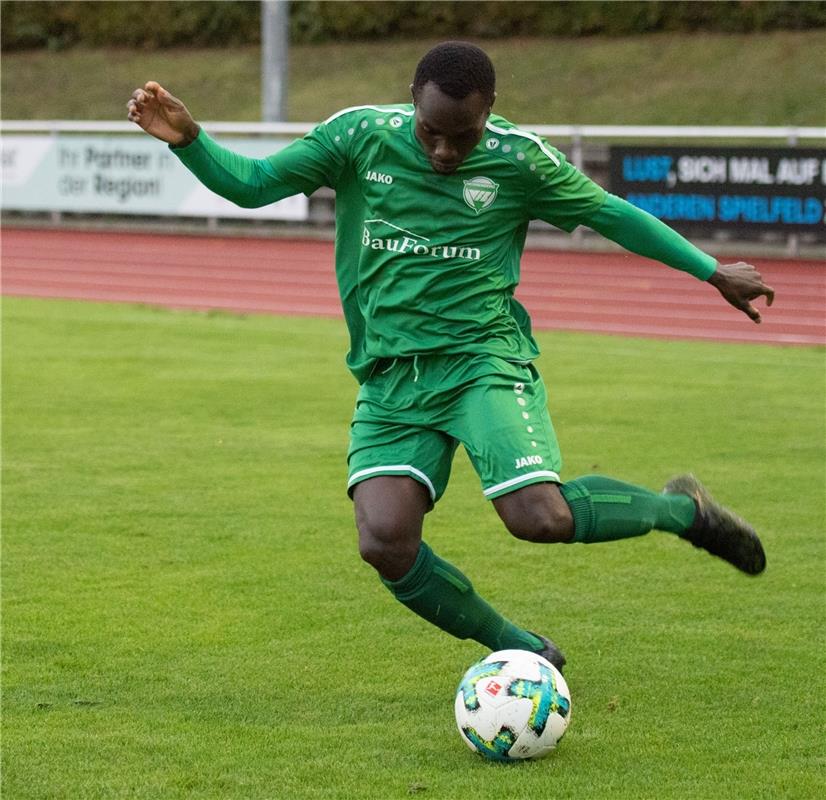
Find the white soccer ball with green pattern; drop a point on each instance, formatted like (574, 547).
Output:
(512, 705)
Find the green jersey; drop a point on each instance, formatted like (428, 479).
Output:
(428, 263)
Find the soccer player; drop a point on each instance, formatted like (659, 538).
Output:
(433, 201)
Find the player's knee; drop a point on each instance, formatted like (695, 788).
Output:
(540, 528)
(389, 514)
(537, 514)
(540, 522)
(391, 559)
(387, 547)
(374, 548)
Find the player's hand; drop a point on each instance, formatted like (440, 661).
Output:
(162, 115)
(739, 284)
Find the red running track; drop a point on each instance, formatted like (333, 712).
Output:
(603, 293)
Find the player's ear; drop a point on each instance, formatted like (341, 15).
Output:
(493, 100)
(413, 93)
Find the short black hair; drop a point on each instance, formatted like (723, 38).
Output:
(458, 69)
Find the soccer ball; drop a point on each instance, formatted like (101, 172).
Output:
(512, 705)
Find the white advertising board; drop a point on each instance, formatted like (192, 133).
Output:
(121, 175)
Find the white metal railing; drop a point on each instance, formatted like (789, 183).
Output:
(81, 126)
(789, 133)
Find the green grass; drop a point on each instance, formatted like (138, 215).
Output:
(667, 79)
(186, 615)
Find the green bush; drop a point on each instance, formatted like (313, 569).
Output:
(316, 20)
(143, 23)
(151, 24)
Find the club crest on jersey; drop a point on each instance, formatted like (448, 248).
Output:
(480, 193)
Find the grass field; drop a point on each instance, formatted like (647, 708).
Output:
(666, 79)
(186, 615)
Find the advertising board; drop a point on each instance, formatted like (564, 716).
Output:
(725, 188)
(121, 175)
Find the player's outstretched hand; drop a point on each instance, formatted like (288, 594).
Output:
(739, 284)
(161, 114)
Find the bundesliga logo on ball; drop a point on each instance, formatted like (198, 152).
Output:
(512, 705)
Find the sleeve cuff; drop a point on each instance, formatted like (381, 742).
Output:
(184, 148)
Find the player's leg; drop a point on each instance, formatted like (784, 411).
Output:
(389, 515)
(397, 473)
(511, 441)
(602, 509)
(536, 513)
(605, 509)
(591, 509)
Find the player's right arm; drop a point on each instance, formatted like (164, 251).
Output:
(303, 166)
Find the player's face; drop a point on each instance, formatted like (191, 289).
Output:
(448, 129)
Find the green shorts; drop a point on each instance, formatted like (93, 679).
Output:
(412, 414)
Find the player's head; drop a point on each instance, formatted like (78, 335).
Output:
(458, 69)
(453, 90)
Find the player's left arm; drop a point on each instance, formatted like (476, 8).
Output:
(642, 233)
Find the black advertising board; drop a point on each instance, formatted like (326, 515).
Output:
(725, 188)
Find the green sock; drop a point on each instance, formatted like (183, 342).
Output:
(441, 594)
(605, 509)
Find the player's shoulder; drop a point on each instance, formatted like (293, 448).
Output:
(369, 117)
(524, 148)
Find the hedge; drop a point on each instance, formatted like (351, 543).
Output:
(197, 23)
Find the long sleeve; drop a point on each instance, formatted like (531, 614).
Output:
(302, 166)
(641, 233)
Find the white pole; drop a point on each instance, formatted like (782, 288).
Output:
(275, 44)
